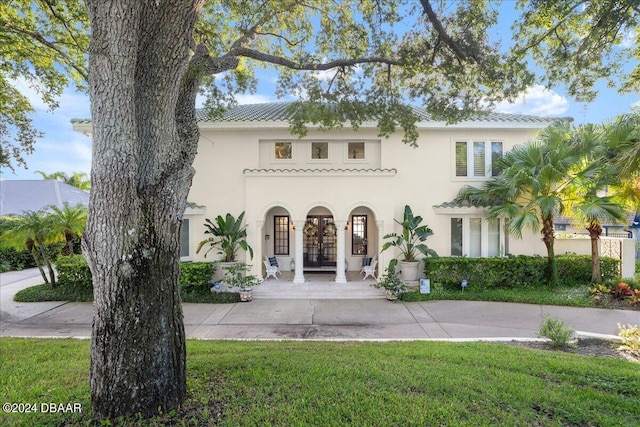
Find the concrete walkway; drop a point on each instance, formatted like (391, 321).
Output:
(314, 318)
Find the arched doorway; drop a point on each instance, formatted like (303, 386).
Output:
(320, 241)
(278, 239)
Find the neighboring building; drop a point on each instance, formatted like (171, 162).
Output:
(19, 196)
(627, 230)
(326, 200)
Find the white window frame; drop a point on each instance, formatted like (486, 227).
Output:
(312, 160)
(488, 163)
(484, 236)
(346, 152)
(188, 236)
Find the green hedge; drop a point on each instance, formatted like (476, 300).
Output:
(73, 271)
(14, 260)
(514, 271)
(195, 275)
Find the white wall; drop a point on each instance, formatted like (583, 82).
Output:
(424, 178)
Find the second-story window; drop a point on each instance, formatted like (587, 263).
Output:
(283, 151)
(477, 159)
(356, 151)
(319, 151)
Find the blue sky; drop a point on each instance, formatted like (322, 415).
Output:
(62, 149)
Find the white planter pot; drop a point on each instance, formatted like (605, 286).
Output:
(245, 295)
(409, 270)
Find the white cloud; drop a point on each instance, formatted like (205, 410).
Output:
(538, 101)
(26, 89)
(629, 39)
(249, 98)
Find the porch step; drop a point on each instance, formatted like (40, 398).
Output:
(276, 289)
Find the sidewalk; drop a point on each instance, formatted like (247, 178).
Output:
(324, 319)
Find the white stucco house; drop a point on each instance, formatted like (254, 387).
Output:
(350, 185)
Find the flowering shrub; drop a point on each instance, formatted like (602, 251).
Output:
(630, 338)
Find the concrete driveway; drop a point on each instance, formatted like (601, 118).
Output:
(324, 319)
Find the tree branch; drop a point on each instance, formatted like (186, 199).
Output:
(552, 30)
(437, 25)
(38, 37)
(277, 60)
(63, 22)
(279, 36)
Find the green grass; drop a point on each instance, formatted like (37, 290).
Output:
(577, 296)
(349, 383)
(572, 296)
(61, 293)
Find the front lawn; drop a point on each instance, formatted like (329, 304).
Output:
(334, 384)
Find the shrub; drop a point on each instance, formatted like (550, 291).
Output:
(513, 271)
(73, 271)
(14, 260)
(630, 338)
(195, 274)
(621, 291)
(556, 331)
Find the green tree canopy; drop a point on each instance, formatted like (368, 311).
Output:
(579, 42)
(43, 46)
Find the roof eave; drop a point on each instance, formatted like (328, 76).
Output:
(281, 124)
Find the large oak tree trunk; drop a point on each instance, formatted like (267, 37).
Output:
(144, 141)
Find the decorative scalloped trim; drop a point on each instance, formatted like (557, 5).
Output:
(324, 170)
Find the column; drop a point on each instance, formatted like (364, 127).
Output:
(256, 268)
(299, 274)
(341, 253)
(382, 257)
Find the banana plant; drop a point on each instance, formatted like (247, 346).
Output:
(411, 241)
(227, 235)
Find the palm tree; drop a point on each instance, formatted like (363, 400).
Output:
(33, 230)
(528, 190)
(68, 223)
(590, 195)
(76, 179)
(58, 176)
(79, 180)
(623, 136)
(622, 142)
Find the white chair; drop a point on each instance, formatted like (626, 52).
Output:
(272, 267)
(369, 270)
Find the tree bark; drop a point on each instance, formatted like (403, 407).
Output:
(45, 258)
(595, 230)
(34, 254)
(551, 273)
(144, 141)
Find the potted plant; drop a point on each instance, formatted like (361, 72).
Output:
(235, 276)
(393, 285)
(227, 235)
(410, 243)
